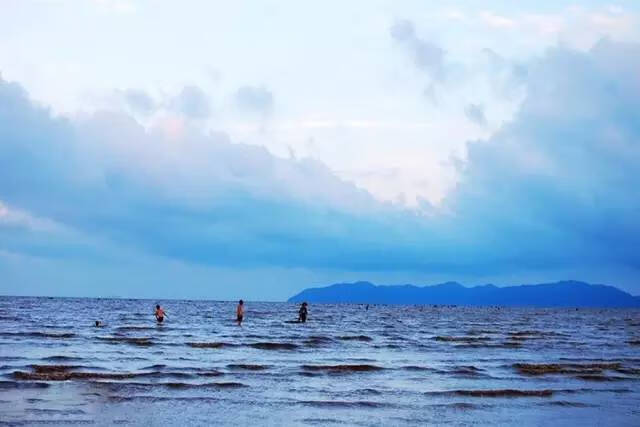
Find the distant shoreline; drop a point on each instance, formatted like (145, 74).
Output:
(569, 294)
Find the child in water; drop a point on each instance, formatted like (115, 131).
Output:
(159, 313)
(302, 314)
(240, 312)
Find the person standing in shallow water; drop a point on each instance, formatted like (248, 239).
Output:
(240, 312)
(302, 313)
(160, 314)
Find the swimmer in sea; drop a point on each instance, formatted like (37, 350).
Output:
(240, 312)
(302, 313)
(160, 314)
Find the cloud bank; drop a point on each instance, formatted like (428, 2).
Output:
(254, 99)
(427, 55)
(555, 190)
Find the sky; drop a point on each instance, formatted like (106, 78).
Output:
(251, 149)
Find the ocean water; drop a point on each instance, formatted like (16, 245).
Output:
(388, 365)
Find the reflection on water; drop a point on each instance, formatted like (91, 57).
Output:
(388, 365)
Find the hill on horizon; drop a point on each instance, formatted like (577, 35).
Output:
(558, 294)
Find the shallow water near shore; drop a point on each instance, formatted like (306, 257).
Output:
(389, 365)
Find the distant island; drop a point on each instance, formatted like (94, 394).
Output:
(559, 294)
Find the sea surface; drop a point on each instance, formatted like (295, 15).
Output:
(388, 365)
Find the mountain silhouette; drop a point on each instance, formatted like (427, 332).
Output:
(558, 294)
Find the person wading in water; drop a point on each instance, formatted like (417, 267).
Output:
(240, 312)
(160, 314)
(302, 313)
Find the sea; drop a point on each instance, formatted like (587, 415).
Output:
(381, 365)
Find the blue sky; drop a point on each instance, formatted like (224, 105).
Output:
(252, 149)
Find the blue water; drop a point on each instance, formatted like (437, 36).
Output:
(389, 365)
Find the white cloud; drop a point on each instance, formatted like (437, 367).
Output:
(12, 217)
(475, 113)
(497, 21)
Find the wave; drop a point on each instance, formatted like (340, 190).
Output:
(459, 405)
(205, 385)
(210, 374)
(209, 344)
(484, 344)
(601, 378)
(164, 398)
(466, 371)
(368, 391)
(629, 371)
(535, 334)
(416, 368)
(19, 385)
(38, 334)
(565, 368)
(141, 342)
(341, 368)
(344, 404)
(40, 411)
(61, 359)
(274, 346)
(479, 332)
(135, 328)
(247, 367)
(157, 366)
(498, 393)
(463, 339)
(66, 376)
(567, 404)
(318, 340)
(120, 386)
(43, 369)
(363, 338)
(12, 358)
